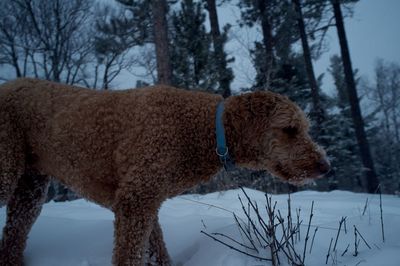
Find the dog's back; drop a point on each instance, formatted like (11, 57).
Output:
(82, 136)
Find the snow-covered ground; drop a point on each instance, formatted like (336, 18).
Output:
(81, 233)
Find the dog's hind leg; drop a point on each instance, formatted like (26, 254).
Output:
(12, 153)
(23, 208)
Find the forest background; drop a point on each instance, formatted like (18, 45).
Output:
(230, 47)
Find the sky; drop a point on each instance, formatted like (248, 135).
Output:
(373, 32)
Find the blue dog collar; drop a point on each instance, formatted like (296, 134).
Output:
(222, 149)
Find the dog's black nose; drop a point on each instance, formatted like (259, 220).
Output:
(323, 166)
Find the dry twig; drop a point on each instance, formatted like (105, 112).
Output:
(345, 251)
(380, 206)
(236, 249)
(358, 232)
(312, 241)
(329, 251)
(338, 232)
(308, 231)
(356, 243)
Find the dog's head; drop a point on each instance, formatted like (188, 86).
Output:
(275, 136)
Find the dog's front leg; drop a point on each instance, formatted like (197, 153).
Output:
(134, 218)
(157, 248)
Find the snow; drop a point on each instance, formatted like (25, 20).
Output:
(81, 233)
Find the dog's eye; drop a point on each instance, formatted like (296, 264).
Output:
(290, 131)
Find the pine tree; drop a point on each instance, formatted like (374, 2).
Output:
(147, 23)
(370, 174)
(225, 74)
(192, 58)
(339, 133)
(272, 16)
(343, 153)
(317, 112)
(336, 70)
(278, 67)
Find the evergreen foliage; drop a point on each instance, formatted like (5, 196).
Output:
(225, 73)
(340, 134)
(192, 58)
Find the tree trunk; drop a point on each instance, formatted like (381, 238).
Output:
(268, 41)
(15, 63)
(105, 76)
(317, 111)
(371, 178)
(164, 72)
(224, 79)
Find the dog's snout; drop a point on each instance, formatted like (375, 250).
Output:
(323, 166)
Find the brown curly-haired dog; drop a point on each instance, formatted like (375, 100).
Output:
(130, 150)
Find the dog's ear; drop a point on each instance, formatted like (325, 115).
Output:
(260, 104)
(253, 109)
(268, 108)
(288, 114)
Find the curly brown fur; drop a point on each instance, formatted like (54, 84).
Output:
(130, 150)
(23, 208)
